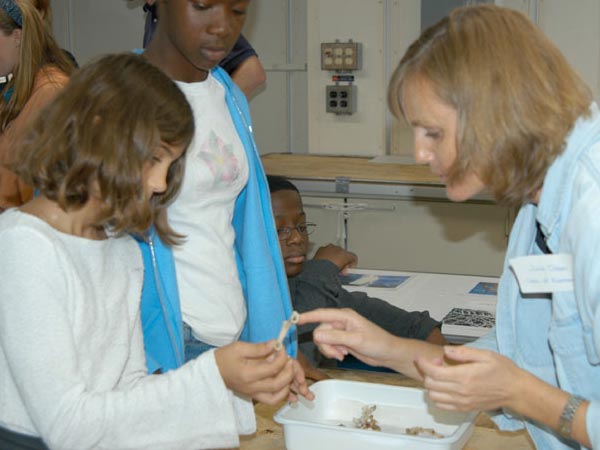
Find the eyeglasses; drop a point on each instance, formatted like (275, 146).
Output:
(303, 229)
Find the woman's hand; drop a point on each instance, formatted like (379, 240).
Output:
(343, 331)
(257, 370)
(479, 380)
(470, 379)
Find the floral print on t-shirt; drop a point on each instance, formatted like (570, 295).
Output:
(220, 159)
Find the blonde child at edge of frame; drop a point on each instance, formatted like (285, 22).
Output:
(36, 69)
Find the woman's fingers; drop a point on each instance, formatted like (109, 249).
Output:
(332, 351)
(462, 353)
(436, 369)
(326, 315)
(341, 339)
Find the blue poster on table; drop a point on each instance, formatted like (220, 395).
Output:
(377, 281)
(485, 288)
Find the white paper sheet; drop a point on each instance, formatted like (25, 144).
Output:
(438, 294)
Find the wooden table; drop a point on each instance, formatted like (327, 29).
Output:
(358, 177)
(486, 436)
(322, 167)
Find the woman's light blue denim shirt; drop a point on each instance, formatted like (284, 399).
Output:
(557, 336)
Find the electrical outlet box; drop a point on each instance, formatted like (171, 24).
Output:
(340, 56)
(340, 99)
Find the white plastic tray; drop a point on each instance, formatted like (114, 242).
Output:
(326, 423)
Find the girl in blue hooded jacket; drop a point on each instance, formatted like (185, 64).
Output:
(226, 282)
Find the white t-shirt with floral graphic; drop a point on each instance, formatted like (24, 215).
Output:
(212, 300)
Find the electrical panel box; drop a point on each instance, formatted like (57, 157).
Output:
(340, 99)
(340, 55)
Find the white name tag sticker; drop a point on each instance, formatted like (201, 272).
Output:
(543, 274)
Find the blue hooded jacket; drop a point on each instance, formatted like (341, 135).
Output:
(260, 265)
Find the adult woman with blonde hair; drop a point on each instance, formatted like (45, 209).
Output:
(37, 69)
(494, 105)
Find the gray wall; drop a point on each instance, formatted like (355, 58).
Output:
(290, 114)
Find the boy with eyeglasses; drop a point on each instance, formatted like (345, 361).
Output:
(314, 283)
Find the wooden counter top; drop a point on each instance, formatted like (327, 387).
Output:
(486, 436)
(357, 169)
